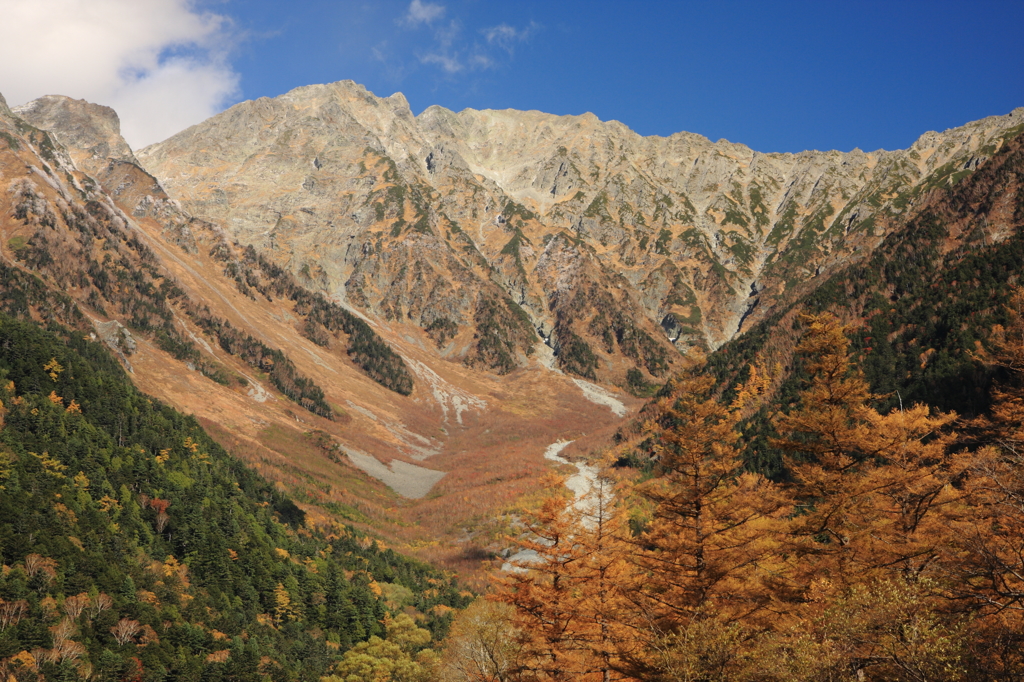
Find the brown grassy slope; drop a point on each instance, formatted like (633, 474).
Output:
(493, 459)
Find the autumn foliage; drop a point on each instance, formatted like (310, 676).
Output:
(891, 550)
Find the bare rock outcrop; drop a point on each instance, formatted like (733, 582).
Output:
(621, 250)
(90, 132)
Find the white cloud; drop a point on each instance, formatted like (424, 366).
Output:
(479, 60)
(505, 36)
(442, 53)
(161, 64)
(445, 45)
(449, 63)
(447, 35)
(423, 13)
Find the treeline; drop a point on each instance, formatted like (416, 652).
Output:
(123, 279)
(323, 319)
(926, 300)
(891, 551)
(134, 548)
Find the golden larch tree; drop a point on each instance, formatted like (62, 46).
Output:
(569, 598)
(708, 556)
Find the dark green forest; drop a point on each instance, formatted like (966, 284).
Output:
(133, 547)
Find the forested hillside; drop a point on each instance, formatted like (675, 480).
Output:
(315, 395)
(134, 548)
(922, 306)
(890, 552)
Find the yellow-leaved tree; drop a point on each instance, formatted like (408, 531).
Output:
(986, 559)
(707, 558)
(401, 657)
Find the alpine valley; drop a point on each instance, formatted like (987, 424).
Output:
(385, 327)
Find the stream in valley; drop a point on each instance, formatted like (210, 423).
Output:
(581, 484)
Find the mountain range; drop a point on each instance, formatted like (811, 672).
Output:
(392, 316)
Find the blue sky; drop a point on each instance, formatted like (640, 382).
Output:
(777, 76)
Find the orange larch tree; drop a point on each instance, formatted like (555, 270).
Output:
(877, 495)
(876, 491)
(986, 559)
(708, 556)
(569, 595)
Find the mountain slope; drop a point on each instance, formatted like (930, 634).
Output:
(307, 391)
(133, 546)
(923, 304)
(614, 245)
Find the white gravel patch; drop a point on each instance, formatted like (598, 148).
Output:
(361, 410)
(408, 480)
(546, 357)
(601, 396)
(449, 397)
(200, 340)
(582, 482)
(412, 444)
(257, 392)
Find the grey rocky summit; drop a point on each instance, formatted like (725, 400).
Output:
(622, 250)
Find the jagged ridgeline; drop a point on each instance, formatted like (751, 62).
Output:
(924, 303)
(134, 547)
(482, 227)
(623, 252)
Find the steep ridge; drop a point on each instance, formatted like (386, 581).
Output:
(615, 247)
(922, 307)
(289, 380)
(391, 274)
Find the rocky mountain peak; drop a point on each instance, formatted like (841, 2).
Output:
(388, 273)
(673, 241)
(90, 132)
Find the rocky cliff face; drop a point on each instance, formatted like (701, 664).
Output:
(321, 399)
(325, 277)
(90, 132)
(483, 226)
